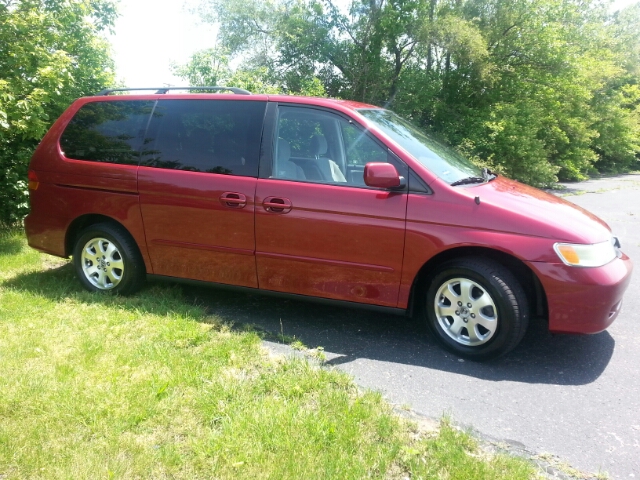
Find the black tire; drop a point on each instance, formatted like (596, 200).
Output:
(107, 259)
(488, 308)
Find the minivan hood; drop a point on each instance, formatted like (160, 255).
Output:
(518, 208)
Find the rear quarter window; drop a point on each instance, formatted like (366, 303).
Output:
(109, 132)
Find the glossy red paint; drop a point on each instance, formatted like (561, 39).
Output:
(346, 106)
(583, 300)
(523, 223)
(335, 242)
(62, 198)
(192, 229)
(381, 175)
(341, 242)
(522, 209)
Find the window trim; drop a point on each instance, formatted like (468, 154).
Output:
(139, 137)
(267, 146)
(270, 129)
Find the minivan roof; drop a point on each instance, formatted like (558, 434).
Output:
(237, 93)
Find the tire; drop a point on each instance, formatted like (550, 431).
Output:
(107, 259)
(476, 308)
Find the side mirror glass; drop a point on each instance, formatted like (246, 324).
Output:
(382, 175)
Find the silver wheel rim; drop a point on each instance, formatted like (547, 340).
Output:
(102, 263)
(466, 312)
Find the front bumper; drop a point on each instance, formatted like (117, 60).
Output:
(583, 300)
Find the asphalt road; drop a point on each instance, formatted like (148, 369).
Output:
(576, 397)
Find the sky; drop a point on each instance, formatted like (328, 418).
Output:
(150, 35)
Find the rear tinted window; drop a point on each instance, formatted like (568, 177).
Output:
(108, 132)
(214, 136)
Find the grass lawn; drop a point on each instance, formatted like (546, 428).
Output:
(149, 386)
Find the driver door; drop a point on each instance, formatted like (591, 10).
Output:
(319, 230)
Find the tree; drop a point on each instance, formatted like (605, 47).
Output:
(51, 52)
(618, 103)
(211, 67)
(536, 89)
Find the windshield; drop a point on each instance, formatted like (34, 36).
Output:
(445, 162)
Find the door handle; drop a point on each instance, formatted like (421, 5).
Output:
(277, 205)
(233, 199)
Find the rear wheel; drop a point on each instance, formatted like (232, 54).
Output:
(107, 259)
(476, 308)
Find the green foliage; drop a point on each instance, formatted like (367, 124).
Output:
(211, 67)
(206, 67)
(536, 89)
(51, 53)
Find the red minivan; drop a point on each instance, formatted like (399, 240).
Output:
(321, 198)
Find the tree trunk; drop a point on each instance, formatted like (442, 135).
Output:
(432, 10)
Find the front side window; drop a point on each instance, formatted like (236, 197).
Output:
(109, 132)
(212, 136)
(317, 146)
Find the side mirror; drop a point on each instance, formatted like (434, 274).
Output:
(383, 175)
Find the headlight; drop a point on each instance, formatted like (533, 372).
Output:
(595, 255)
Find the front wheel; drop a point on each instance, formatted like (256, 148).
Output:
(107, 259)
(476, 308)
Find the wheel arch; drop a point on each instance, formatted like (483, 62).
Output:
(84, 221)
(527, 277)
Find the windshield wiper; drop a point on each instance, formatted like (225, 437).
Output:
(487, 176)
(466, 181)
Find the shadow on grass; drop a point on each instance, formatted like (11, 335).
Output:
(61, 283)
(350, 334)
(347, 334)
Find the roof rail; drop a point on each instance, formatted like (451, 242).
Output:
(161, 90)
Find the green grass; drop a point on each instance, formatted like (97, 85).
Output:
(95, 386)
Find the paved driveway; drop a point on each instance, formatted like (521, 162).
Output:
(577, 397)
